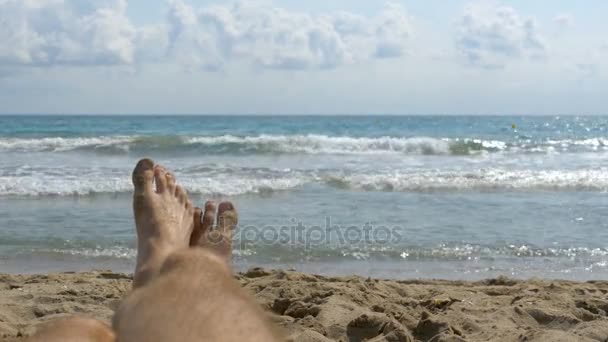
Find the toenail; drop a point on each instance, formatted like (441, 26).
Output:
(226, 206)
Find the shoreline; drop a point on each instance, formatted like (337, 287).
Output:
(411, 271)
(320, 308)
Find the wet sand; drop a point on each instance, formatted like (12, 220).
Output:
(319, 308)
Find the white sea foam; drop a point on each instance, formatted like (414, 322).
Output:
(219, 185)
(331, 145)
(261, 144)
(309, 144)
(260, 182)
(60, 144)
(111, 252)
(477, 180)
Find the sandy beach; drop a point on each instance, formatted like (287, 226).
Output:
(319, 308)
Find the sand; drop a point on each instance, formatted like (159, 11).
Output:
(317, 308)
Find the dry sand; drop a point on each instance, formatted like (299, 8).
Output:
(316, 308)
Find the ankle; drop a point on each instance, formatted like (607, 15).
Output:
(151, 255)
(196, 259)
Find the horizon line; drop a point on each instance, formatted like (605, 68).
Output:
(292, 115)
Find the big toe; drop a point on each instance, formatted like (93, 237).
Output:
(203, 223)
(227, 219)
(143, 176)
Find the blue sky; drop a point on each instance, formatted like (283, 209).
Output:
(296, 57)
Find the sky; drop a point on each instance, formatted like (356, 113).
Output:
(547, 57)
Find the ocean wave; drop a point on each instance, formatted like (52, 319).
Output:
(262, 181)
(477, 180)
(117, 252)
(84, 186)
(306, 144)
(58, 144)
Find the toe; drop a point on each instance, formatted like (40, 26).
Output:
(203, 224)
(181, 194)
(227, 218)
(143, 176)
(171, 183)
(160, 178)
(209, 218)
(197, 230)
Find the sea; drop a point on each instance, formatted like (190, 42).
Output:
(405, 197)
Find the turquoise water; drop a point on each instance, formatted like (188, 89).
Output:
(431, 197)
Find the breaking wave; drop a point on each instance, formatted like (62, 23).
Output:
(263, 181)
(478, 180)
(222, 186)
(307, 144)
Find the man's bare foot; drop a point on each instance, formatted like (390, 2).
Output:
(219, 238)
(164, 217)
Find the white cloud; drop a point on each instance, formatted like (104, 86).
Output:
(65, 32)
(563, 21)
(99, 32)
(491, 36)
(188, 41)
(273, 37)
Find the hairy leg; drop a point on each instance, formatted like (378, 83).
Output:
(185, 293)
(74, 329)
(194, 299)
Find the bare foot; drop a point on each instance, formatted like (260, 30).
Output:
(217, 239)
(164, 218)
